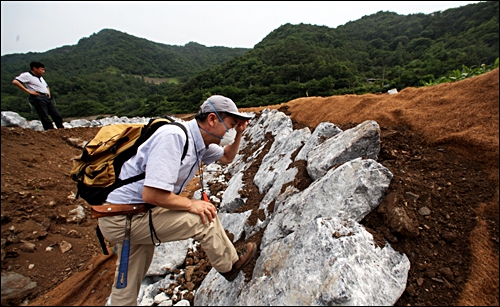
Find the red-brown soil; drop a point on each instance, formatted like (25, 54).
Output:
(440, 143)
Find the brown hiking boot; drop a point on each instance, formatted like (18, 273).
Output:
(242, 262)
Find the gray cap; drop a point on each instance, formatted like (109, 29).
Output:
(223, 104)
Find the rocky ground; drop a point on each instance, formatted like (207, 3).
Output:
(440, 143)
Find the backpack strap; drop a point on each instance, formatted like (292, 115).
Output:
(184, 152)
(101, 240)
(138, 177)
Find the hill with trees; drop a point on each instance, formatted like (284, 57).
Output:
(107, 73)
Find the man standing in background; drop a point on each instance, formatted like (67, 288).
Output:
(32, 82)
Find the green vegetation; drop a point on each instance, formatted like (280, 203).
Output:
(115, 73)
(111, 72)
(464, 74)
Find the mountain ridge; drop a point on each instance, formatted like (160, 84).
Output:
(370, 55)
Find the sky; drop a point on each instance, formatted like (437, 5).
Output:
(40, 26)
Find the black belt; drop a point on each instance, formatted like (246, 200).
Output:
(44, 94)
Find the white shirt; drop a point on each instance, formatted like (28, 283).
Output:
(160, 157)
(33, 82)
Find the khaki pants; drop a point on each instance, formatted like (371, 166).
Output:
(170, 226)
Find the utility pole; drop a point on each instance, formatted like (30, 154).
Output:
(383, 75)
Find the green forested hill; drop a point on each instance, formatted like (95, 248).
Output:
(97, 75)
(377, 52)
(120, 52)
(373, 54)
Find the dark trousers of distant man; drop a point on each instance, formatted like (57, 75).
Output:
(44, 107)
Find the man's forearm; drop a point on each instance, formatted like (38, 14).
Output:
(230, 151)
(165, 199)
(21, 86)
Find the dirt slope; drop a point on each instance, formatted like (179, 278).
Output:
(440, 143)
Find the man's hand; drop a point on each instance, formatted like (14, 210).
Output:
(231, 150)
(203, 209)
(171, 201)
(241, 126)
